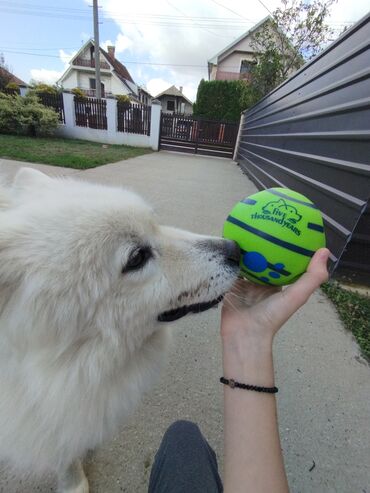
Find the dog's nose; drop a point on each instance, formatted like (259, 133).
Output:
(232, 251)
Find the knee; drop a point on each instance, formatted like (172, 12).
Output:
(182, 428)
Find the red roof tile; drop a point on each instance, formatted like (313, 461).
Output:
(121, 70)
(12, 77)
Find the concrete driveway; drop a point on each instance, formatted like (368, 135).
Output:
(324, 403)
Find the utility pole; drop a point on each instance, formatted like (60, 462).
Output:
(96, 50)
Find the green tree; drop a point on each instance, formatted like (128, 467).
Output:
(296, 33)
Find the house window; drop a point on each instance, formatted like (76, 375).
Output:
(170, 105)
(92, 83)
(246, 66)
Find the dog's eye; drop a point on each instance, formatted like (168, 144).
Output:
(138, 259)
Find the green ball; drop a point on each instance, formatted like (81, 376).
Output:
(278, 231)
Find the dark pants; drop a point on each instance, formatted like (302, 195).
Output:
(184, 463)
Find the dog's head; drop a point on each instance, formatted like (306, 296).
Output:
(90, 259)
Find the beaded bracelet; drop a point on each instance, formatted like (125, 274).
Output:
(232, 384)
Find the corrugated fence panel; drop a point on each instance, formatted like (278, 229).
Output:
(312, 134)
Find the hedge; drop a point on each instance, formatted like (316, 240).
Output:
(221, 99)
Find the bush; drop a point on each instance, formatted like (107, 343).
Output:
(26, 116)
(9, 113)
(42, 88)
(12, 86)
(221, 99)
(123, 98)
(79, 93)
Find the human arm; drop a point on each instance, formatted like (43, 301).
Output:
(251, 316)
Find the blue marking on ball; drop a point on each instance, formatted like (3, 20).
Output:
(255, 261)
(275, 275)
(279, 266)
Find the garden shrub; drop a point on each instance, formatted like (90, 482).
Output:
(42, 88)
(79, 93)
(123, 98)
(26, 116)
(12, 86)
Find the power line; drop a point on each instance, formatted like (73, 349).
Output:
(40, 49)
(128, 62)
(79, 13)
(181, 12)
(230, 10)
(264, 6)
(172, 22)
(171, 25)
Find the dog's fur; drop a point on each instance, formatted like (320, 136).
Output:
(80, 339)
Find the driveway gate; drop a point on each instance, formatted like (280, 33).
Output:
(187, 133)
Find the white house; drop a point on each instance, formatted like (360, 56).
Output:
(236, 60)
(115, 78)
(174, 101)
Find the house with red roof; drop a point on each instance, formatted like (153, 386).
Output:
(7, 77)
(114, 76)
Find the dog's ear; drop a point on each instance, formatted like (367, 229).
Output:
(28, 178)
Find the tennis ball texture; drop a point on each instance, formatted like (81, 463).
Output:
(278, 231)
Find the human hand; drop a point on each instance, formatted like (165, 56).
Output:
(257, 312)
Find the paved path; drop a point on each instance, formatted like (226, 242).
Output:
(324, 403)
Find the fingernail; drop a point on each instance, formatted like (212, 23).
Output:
(324, 253)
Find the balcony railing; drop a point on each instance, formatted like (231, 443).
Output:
(83, 62)
(220, 75)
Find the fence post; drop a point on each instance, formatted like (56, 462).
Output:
(112, 118)
(155, 124)
(69, 109)
(238, 136)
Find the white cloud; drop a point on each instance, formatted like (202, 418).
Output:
(121, 44)
(51, 76)
(66, 57)
(182, 43)
(155, 86)
(158, 85)
(44, 75)
(176, 49)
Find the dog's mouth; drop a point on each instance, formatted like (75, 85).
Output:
(177, 313)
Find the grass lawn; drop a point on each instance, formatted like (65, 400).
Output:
(354, 311)
(78, 154)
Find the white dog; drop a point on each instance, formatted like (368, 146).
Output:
(88, 282)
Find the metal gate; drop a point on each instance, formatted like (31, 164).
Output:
(187, 133)
(312, 134)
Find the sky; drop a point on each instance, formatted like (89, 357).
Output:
(162, 42)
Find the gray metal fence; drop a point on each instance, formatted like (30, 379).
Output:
(312, 134)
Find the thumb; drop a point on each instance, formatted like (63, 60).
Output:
(281, 306)
(316, 274)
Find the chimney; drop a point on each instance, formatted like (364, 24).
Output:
(181, 89)
(111, 50)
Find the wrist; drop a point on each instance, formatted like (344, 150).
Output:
(242, 343)
(248, 360)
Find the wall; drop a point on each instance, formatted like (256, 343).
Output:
(233, 61)
(110, 136)
(312, 134)
(71, 80)
(117, 86)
